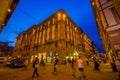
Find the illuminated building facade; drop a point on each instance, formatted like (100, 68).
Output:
(108, 22)
(89, 48)
(6, 9)
(57, 36)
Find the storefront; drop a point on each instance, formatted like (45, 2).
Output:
(72, 56)
(49, 57)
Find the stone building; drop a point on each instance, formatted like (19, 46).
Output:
(7, 7)
(58, 36)
(5, 50)
(117, 5)
(89, 47)
(108, 22)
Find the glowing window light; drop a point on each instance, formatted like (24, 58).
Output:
(59, 14)
(9, 10)
(64, 16)
(93, 3)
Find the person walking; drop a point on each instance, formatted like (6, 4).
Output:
(25, 63)
(73, 65)
(96, 65)
(118, 67)
(80, 67)
(35, 66)
(55, 64)
(87, 62)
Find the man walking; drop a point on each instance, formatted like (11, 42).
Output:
(35, 66)
(55, 64)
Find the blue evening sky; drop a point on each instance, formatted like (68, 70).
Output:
(30, 12)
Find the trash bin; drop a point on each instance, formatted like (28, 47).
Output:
(114, 68)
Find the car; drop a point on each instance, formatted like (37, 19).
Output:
(16, 63)
(2, 59)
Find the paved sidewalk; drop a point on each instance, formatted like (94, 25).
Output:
(64, 72)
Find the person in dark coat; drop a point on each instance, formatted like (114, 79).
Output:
(96, 65)
(35, 66)
(55, 64)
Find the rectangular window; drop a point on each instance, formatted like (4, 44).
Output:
(51, 21)
(115, 14)
(56, 44)
(43, 37)
(33, 48)
(53, 32)
(47, 34)
(56, 26)
(37, 48)
(66, 32)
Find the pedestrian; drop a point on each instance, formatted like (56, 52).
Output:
(87, 62)
(55, 64)
(96, 65)
(25, 63)
(118, 66)
(104, 60)
(35, 66)
(73, 65)
(81, 67)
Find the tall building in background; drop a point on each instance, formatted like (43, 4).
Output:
(89, 48)
(57, 36)
(5, 50)
(6, 9)
(108, 22)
